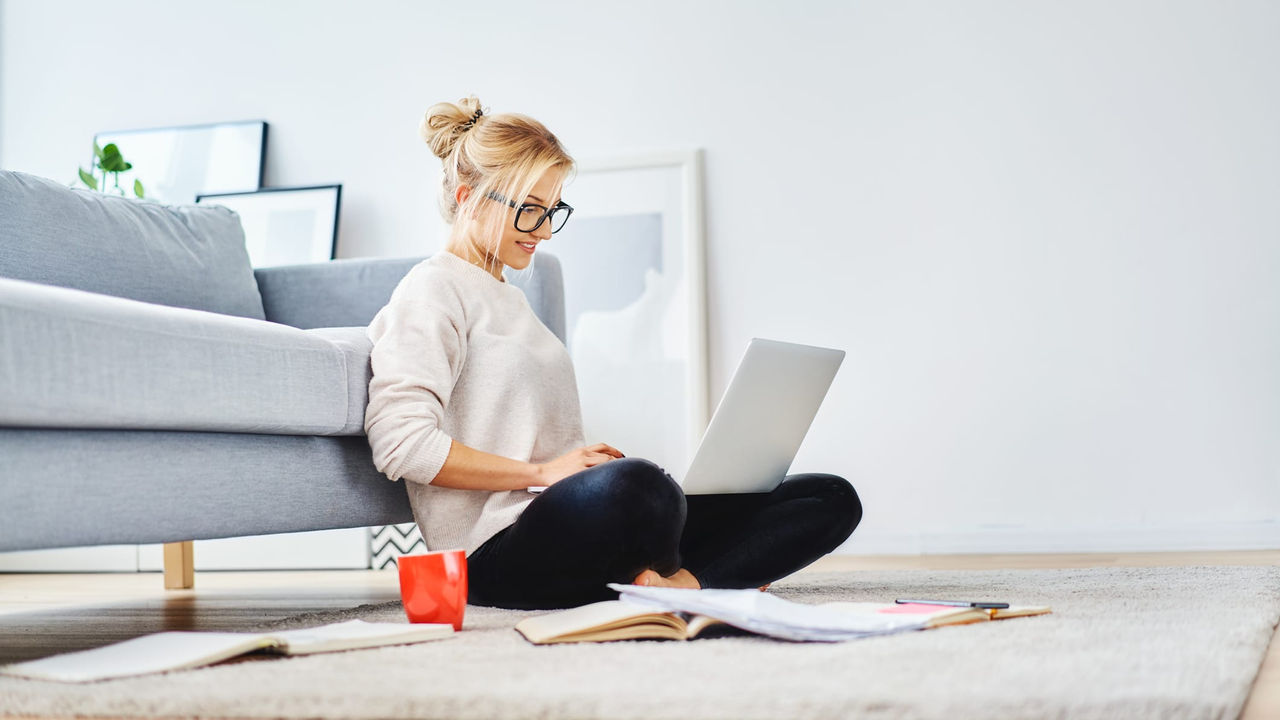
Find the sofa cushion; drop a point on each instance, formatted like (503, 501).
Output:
(190, 256)
(97, 487)
(75, 359)
(337, 293)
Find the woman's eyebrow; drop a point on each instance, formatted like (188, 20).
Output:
(535, 197)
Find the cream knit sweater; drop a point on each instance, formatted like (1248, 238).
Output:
(460, 355)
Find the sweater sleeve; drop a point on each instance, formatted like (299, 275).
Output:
(419, 345)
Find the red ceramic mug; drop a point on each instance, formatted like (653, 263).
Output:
(433, 587)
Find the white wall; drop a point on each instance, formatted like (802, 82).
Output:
(1045, 232)
(3, 109)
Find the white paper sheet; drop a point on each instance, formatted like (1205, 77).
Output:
(768, 614)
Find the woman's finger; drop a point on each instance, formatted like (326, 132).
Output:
(606, 448)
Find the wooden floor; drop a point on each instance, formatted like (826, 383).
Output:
(44, 614)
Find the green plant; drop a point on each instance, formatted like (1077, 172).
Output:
(108, 160)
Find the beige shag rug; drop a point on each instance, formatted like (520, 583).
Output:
(1122, 643)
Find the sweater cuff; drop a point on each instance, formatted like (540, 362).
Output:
(423, 463)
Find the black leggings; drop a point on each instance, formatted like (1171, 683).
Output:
(610, 522)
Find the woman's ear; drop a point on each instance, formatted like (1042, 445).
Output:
(462, 193)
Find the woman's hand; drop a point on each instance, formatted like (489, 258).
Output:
(576, 461)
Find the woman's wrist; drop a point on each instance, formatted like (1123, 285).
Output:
(534, 477)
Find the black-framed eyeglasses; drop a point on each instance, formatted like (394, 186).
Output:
(530, 216)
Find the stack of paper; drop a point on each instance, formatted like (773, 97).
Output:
(770, 615)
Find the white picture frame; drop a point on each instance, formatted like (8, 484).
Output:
(633, 257)
(285, 226)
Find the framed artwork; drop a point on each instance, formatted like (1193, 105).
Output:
(635, 303)
(285, 226)
(175, 164)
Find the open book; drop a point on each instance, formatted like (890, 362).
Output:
(165, 651)
(613, 620)
(677, 614)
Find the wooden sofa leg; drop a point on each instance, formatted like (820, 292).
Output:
(179, 565)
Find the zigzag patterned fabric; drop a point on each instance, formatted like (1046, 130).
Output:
(389, 542)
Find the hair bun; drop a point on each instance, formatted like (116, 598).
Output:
(445, 123)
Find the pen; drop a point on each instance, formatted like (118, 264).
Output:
(956, 603)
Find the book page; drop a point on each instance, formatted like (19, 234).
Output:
(148, 654)
(354, 634)
(700, 624)
(596, 620)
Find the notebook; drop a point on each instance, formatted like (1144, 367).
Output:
(179, 650)
(681, 614)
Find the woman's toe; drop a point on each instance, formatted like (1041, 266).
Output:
(647, 577)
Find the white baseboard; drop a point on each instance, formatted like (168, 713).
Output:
(346, 549)
(101, 558)
(1184, 538)
(317, 550)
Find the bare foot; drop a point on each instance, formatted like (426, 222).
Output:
(681, 579)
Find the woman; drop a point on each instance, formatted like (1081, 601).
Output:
(473, 401)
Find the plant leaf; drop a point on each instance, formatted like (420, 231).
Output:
(112, 160)
(97, 151)
(88, 179)
(137, 188)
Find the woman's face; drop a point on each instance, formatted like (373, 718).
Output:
(516, 248)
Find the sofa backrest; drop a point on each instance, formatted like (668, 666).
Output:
(349, 292)
(190, 256)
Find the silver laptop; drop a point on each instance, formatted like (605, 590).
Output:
(765, 413)
(763, 417)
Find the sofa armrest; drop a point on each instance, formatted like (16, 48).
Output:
(338, 293)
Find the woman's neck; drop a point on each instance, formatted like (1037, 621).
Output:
(468, 252)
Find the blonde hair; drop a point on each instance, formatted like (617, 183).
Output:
(501, 155)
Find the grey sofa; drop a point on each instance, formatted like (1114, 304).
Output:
(154, 388)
